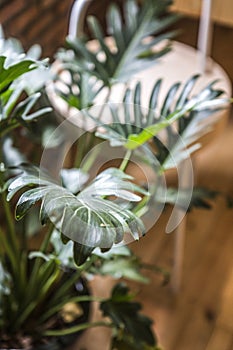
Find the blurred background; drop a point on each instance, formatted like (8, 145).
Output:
(200, 315)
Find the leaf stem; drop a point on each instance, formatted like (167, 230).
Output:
(32, 282)
(125, 161)
(5, 245)
(81, 327)
(10, 221)
(10, 240)
(46, 241)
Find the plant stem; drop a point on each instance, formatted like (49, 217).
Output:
(9, 239)
(46, 240)
(53, 333)
(37, 264)
(91, 159)
(126, 160)
(5, 244)
(80, 151)
(77, 274)
(5, 130)
(10, 223)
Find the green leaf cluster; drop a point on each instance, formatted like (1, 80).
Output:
(138, 39)
(15, 109)
(133, 328)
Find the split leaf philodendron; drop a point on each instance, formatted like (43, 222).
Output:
(69, 226)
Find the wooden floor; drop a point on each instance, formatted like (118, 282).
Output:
(200, 316)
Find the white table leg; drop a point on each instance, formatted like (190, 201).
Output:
(205, 35)
(186, 181)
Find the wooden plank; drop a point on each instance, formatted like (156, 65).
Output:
(222, 9)
(195, 333)
(219, 280)
(192, 7)
(220, 339)
(226, 315)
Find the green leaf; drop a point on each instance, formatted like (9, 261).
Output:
(38, 254)
(81, 253)
(123, 267)
(133, 328)
(37, 73)
(201, 197)
(23, 109)
(9, 73)
(118, 250)
(134, 126)
(131, 50)
(19, 73)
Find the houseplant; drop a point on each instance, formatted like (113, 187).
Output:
(86, 218)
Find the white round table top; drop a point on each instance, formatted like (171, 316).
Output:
(178, 65)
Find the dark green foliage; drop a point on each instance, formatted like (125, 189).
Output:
(134, 329)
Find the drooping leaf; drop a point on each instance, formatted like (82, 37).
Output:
(134, 329)
(81, 252)
(89, 218)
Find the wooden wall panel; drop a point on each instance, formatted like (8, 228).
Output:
(222, 9)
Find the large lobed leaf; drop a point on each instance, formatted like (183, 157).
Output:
(90, 219)
(131, 51)
(132, 126)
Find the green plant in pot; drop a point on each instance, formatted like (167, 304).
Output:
(75, 224)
